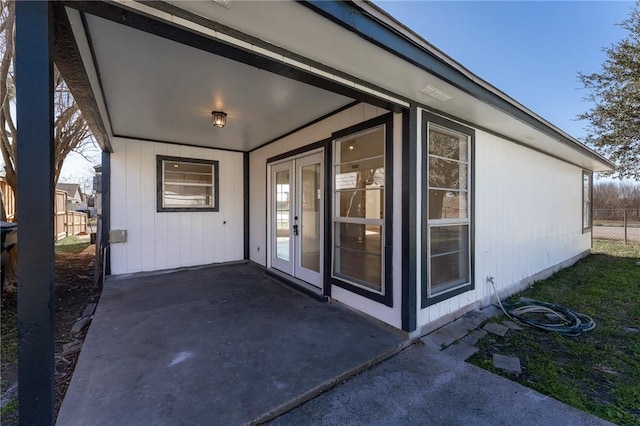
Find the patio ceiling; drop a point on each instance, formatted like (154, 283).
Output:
(158, 89)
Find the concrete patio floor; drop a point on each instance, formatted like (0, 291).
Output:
(421, 386)
(230, 345)
(220, 345)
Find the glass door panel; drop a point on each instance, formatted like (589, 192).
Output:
(283, 213)
(297, 229)
(281, 236)
(310, 218)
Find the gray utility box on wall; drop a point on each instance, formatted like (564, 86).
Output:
(117, 236)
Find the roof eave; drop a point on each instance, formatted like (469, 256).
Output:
(389, 33)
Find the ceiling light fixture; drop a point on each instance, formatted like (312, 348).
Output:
(218, 118)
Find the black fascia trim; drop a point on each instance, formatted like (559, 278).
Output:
(387, 297)
(94, 60)
(69, 61)
(312, 122)
(216, 184)
(245, 187)
(354, 19)
(494, 133)
(106, 210)
(298, 151)
(409, 205)
(328, 208)
(34, 57)
(196, 40)
(135, 138)
(435, 119)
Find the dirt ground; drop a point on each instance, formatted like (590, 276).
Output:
(74, 290)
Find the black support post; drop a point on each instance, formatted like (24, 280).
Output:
(245, 189)
(106, 212)
(409, 219)
(36, 310)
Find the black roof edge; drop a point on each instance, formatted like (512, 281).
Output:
(69, 61)
(375, 25)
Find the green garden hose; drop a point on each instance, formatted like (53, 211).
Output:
(547, 316)
(551, 317)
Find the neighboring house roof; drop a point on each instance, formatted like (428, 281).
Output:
(74, 193)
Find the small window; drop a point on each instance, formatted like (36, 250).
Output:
(587, 183)
(186, 184)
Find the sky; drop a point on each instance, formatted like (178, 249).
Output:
(531, 50)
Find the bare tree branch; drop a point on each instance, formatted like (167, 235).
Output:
(71, 132)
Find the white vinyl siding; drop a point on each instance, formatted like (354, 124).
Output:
(166, 240)
(525, 226)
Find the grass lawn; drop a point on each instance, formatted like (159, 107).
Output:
(72, 244)
(598, 372)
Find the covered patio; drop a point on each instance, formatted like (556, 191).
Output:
(216, 345)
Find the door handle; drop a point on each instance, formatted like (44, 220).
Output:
(295, 229)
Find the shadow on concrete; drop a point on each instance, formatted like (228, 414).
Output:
(220, 345)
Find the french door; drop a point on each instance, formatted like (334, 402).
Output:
(297, 205)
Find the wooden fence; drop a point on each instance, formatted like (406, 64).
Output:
(65, 222)
(8, 199)
(76, 223)
(60, 215)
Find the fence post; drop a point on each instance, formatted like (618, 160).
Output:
(625, 227)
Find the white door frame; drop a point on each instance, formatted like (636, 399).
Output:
(294, 266)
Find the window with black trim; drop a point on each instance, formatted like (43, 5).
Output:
(587, 190)
(447, 213)
(359, 208)
(187, 184)
(362, 204)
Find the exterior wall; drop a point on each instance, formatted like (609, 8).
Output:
(314, 133)
(528, 219)
(157, 241)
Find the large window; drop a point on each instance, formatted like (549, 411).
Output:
(446, 209)
(187, 184)
(359, 209)
(587, 182)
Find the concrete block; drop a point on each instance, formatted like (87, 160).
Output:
(489, 312)
(89, 310)
(459, 328)
(512, 325)
(510, 364)
(430, 343)
(461, 351)
(473, 318)
(442, 337)
(9, 395)
(71, 347)
(472, 338)
(79, 326)
(495, 328)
